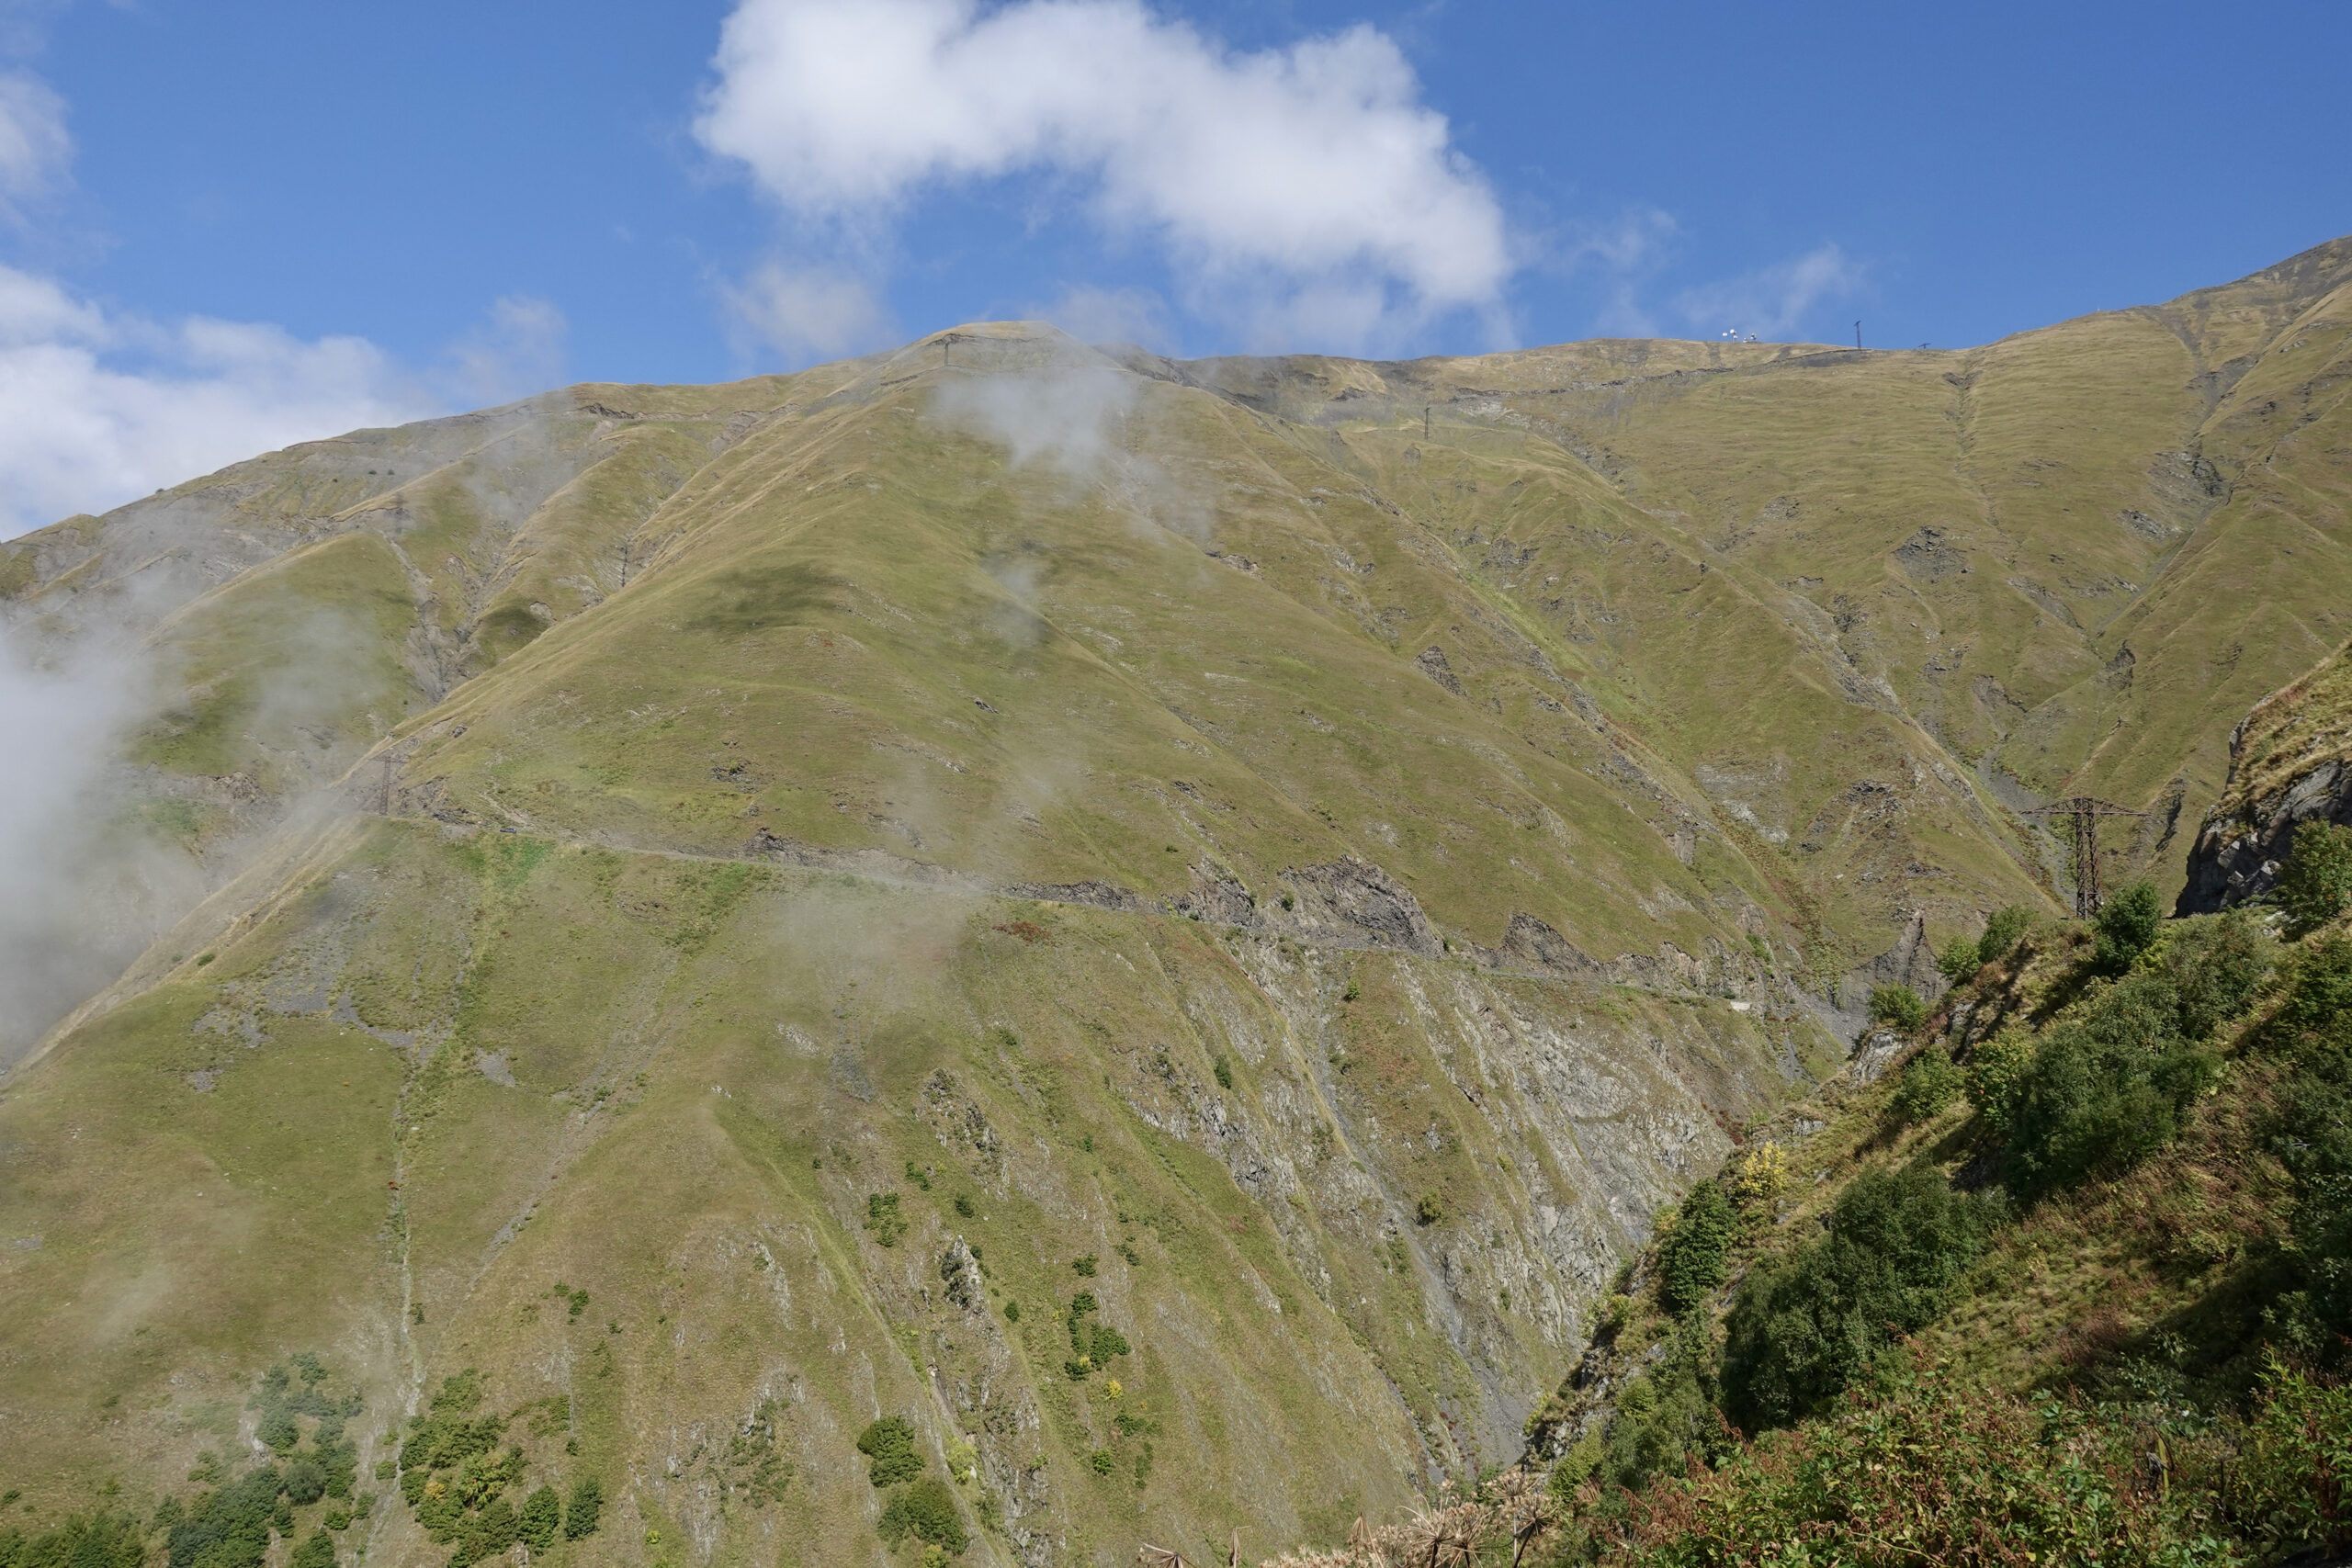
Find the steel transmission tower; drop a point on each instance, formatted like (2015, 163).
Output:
(2082, 811)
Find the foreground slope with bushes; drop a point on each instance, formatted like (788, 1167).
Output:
(2067, 1283)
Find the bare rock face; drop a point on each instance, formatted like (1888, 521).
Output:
(1352, 902)
(2290, 762)
(2235, 861)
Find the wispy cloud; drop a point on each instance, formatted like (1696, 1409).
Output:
(1619, 258)
(98, 407)
(805, 313)
(34, 146)
(518, 351)
(1773, 302)
(1300, 193)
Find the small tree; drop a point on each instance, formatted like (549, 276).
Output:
(1897, 1007)
(580, 1515)
(542, 1516)
(1928, 1085)
(1691, 1258)
(2001, 932)
(1959, 959)
(2127, 927)
(2315, 885)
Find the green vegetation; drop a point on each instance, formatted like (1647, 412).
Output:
(1897, 1007)
(2127, 925)
(2314, 886)
(1940, 1472)
(889, 1442)
(1691, 1256)
(1092, 1343)
(2002, 929)
(1930, 1081)
(1898, 1247)
(926, 1511)
(884, 1220)
(585, 1507)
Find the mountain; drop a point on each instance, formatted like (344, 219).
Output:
(659, 917)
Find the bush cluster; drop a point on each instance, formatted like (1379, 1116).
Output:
(1930, 1082)
(1092, 1343)
(925, 1510)
(2312, 1133)
(1898, 1247)
(890, 1444)
(2105, 1089)
(884, 1219)
(2315, 885)
(455, 1476)
(1691, 1259)
(1942, 1471)
(1897, 1007)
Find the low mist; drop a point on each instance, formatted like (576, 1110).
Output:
(87, 889)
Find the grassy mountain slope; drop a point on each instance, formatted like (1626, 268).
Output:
(805, 866)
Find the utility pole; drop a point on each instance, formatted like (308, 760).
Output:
(1425, 421)
(1857, 336)
(2083, 812)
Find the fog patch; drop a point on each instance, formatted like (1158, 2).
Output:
(1081, 425)
(87, 889)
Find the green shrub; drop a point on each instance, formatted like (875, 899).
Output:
(890, 1444)
(2105, 1089)
(1666, 1417)
(1898, 1247)
(1083, 1266)
(1947, 1474)
(2315, 885)
(581, 1513)
(2298, 1467)
(2216, 965)
(1691, 1258)
(1430, 1209)
(925, 1510)
(1959, 959)
(1103, 1461)
(1930, 1082)
(965, 1208)
(1224, 1071)
(2311, 1134)
(1996, 1068)
(306, 1482)
(2001, 932)
(1897, 1007)
(541, 1519)
(883, 1218)
(2312, 1023)
(2127, 925)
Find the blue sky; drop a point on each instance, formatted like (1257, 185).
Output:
(229, 225)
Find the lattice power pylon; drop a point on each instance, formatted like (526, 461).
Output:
(2083, 811)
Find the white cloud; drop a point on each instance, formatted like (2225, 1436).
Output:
(519, 351)
(805, 313)
(97, 409)
(1301, 192)
(1625, 253)
(1111, 316)
(1772, 301)
(34, 146)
